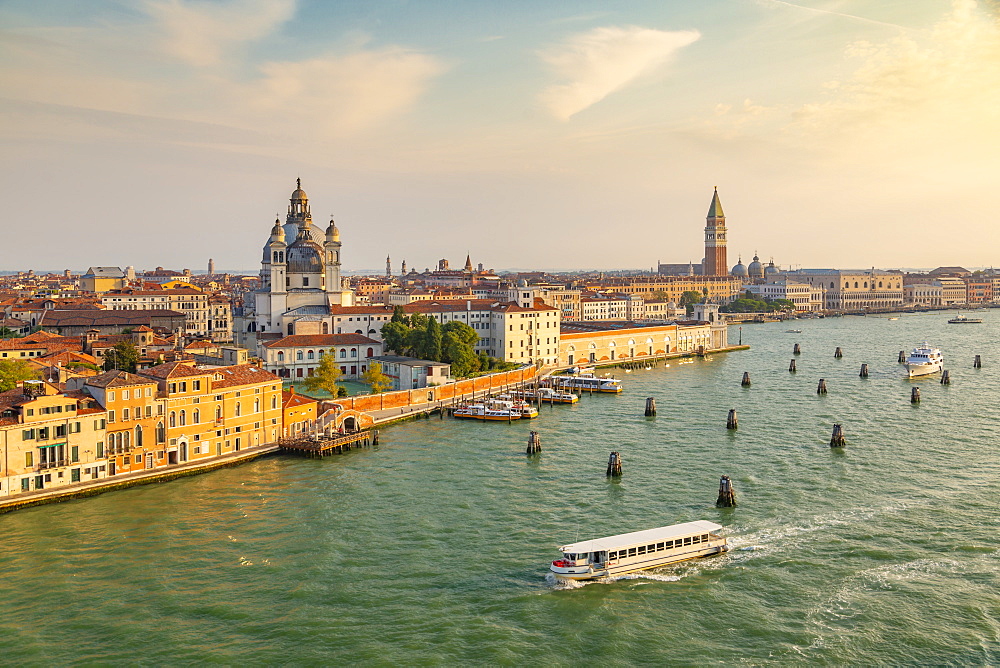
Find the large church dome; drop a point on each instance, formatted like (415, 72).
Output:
(756, 269)
(740, 270)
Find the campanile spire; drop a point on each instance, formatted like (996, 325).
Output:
(715, 239)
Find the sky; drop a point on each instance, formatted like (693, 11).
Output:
(555, 135)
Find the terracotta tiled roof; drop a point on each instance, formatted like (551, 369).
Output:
(350, 310)
(117, 378)
(174, 370)
(97, 317)
(318, 340)
(472, 305)
(241, 374)
(292, 399)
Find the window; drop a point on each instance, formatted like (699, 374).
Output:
(125, 414)
(311, 355)
(183, 418)
(100, 449)
(256, 405)
(111, 416)
(196, 385)
(28, 460)
(28, 435)
(173, 419)
(124, 395)
(111, 396)
(238, 409)
(74, 456)
(343, 354)
(281, 356)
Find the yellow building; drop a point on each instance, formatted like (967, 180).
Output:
(595, 342)
(49, 438)
(215, 411)
(102, 279)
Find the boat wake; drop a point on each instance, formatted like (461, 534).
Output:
(651, 576)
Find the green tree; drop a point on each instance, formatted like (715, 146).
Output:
(14, 371)
(325, 377)
(378, 381)
(395, 335)
(398, 315)
(690, 297)
(432, 341)
(123, 355)
(6, 333)
(82, 365)
(458, 349)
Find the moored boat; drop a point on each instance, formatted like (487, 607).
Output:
(486, 413)
(924, 360)
(638, 550)
(507, 403)
(587, 382)
(547, 394)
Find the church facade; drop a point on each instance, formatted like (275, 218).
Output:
(300, 280)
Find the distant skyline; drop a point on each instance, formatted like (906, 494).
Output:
(840, 133)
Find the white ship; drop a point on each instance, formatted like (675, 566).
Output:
(639, 550)
(924, 360)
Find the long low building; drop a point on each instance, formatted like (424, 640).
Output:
(594, 342)
(77, 321)
(298, 356)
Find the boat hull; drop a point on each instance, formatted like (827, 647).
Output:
(636, 567)
(917, 370)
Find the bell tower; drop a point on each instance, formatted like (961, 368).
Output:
(715, 239)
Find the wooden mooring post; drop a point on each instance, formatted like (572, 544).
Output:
(727, 497)
(821, 388)
(534, 443)
(838, 440)
(902, 356)
(915, 395)
(732, 422)
(978, 362)
(650, 407)
(796, 349)
(838, 353)
(791, 365)
(746, 379)
(946, 377)
(864, 371)
(614, 465)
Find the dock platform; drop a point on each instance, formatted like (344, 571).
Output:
(318, 445)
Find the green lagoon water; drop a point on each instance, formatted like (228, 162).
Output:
(433, 547)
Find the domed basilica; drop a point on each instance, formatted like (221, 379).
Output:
(299, 278)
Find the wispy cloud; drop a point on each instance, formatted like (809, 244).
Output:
(830, 12)
(200, 33)
(597, 63)
(336, 95)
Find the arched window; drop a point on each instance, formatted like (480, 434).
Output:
(274, 402)
(354, 352)
(173, 419)
(161, 432)
(218, 414)
(256, 405)
(371, 352)
(125, 434)
(880, 284)
(138, 436)
(326, 328)
(311, 355)
(298, 355)
(343, 353)
(855, 284)
(866, 284)
(196, 418)
(831, 285)
(291, 329)
(183, 418)
(238, 409)
(281, 356)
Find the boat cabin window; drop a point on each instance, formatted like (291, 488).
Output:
(687, 541)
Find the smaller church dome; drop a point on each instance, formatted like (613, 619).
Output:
(740, 269)
(332, 233)
(304, 256)
(770, 269)
(756, 269)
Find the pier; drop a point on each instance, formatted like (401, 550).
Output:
(320, 445)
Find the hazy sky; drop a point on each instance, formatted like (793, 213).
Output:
(529, 134)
